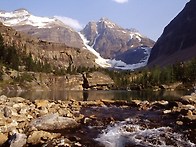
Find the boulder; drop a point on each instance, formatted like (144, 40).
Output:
(52, 122)
(17, 140)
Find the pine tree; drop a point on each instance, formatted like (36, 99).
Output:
(29, 63)
(2, 48)
(12, 58)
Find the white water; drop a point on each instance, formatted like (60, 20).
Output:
(122, 134)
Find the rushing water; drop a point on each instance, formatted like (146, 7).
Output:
(127, 134)
(95, 95)
(122, 127)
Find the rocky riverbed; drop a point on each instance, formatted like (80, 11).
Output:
(97, 123)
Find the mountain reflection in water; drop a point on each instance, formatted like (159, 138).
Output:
(96, 95)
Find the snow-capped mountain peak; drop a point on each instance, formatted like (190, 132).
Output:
(23, 17)
(14, 14)
(112, 63)
(21, 11)
(106, 23)
(112, 40)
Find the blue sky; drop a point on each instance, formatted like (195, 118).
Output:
(148, 16)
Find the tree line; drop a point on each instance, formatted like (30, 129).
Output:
(184, 72)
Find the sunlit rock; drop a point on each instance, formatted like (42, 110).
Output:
(3, 138)
(36, 137)
(53, 122)
(41, 103)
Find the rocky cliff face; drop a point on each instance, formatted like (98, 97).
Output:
(58, 55)
(178, 41)
(111, 40)
(94, 80)
(97, 81)
(44, 81)
(57, 34)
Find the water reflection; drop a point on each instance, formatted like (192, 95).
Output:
(95, 95)
(85, 95)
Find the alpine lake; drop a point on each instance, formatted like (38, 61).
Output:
(89, 95)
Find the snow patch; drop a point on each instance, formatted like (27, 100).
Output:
(23, 17)
(124, 32)
(95, 39)
(109, 24)
(100, 61)
(136, 35)
(138, 38)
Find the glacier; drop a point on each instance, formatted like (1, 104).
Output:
(112, 63)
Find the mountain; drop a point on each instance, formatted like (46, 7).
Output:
(56, 54)
(113, 41)
(178, 41)
(112, 46)
(47, 29)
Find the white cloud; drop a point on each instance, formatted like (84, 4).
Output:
(73, 23)
(121, 1)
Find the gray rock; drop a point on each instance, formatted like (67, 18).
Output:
(17, 140)
(53, 122)
(7, 112)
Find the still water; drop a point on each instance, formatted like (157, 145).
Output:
(96, 95)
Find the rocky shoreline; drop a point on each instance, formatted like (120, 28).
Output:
(78, 123)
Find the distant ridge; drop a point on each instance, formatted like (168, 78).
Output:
(178, 41)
